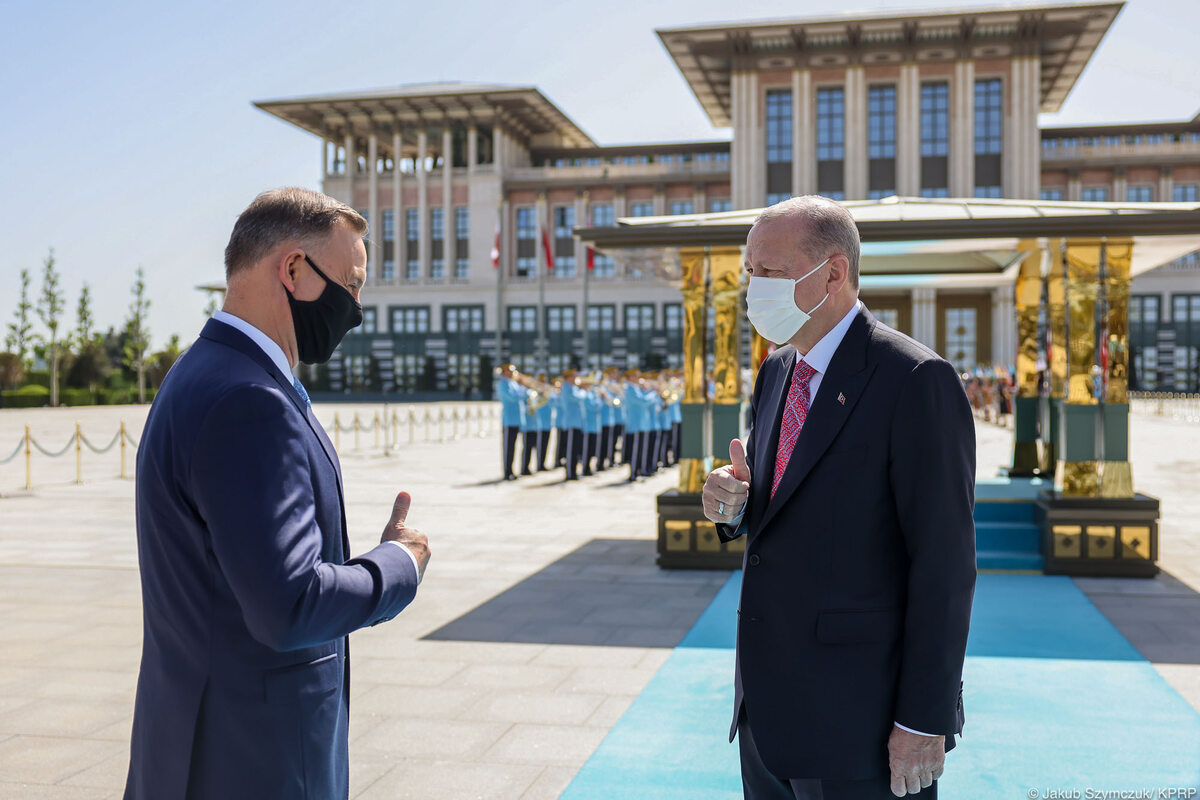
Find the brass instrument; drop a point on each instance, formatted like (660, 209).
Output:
(539, 392)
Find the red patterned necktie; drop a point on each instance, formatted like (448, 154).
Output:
(794, 414)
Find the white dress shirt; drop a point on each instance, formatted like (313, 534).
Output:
(818, 358)
(275, 353)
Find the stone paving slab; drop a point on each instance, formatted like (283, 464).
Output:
(502, 697)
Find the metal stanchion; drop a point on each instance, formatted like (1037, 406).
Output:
(412, 426)
(375, 425)
(356, 428)
(428, 422)
(123, 437)
(337, 431)
(78, 455)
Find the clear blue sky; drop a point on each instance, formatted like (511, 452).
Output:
(127, 136)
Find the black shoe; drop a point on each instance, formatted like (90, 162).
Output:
(526, 472)
(510, 477)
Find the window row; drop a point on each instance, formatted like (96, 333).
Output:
(715, 157)
(1138, 193)
(523, 318)
(1139, 138)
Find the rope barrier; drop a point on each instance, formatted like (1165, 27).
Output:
(15, 453)
(98, 450)
(47, 453)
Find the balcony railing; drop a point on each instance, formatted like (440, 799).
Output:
(1082, 152)
(615, 171)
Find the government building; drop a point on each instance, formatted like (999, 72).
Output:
(474, 192)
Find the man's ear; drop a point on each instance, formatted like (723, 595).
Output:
(289, 265)
(839, 273)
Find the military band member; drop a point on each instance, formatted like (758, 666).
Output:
(560, 436)
(593, 408)
(571, 405)
(544, 422)
(637, 413)
(511, 395)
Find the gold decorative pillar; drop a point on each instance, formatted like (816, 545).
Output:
(1028, 299)
(1079, 474)
(1055, 353)
(1116, 473)
(694, 268)
(725, 266)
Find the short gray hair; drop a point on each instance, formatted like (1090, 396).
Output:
(282, 215)
(821, 226)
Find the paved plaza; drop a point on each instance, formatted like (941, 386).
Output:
(543, 640)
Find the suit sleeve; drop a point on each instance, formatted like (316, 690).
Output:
(253, 486)
(933, 481)
(739, 526)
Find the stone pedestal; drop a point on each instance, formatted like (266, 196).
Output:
(686, 540)
(1099, 537)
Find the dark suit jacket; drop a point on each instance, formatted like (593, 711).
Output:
(859, 573)
(247, 595)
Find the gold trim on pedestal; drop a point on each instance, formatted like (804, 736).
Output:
(1068, 541)
(1135, 541)
(1116, 477)
(694, 278)
(1056, 346)
(1079, 479)
(725, 266)
(1027, 300)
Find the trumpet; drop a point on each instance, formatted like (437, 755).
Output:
(539, 392)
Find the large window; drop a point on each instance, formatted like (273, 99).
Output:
(1094, 194)
(673, 316)
(602, 214)
(603, 265)
(564, 241)
(1185, 319)
(935, 139)
(370, 323)
(961, 338)
(720, 204)
(1185, 193)
(989, 136)
(526, 242)
(681, 207)
(462, 243)
(1144, 315)
(522, 319)
(641, 209)
(602, 318)
(779, 145)
(639, 316)
(409, 319)
(437, 234)
(831, 141)
(462, 319)
(1139, 194)
(881, 141)
(1051, 194)
(412, 233)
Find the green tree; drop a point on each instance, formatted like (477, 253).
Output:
(214, 304)
(137, 342)
(83, 317)
(49, 309)
(162, 361)
(19, 340)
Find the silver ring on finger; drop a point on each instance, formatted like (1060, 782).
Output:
(721, 507)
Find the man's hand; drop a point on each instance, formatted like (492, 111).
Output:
(916, 761)
(727, 488)
(398, 531)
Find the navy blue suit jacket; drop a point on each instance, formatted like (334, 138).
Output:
(859, 573)
(247, 593)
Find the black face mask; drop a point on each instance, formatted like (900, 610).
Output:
(320, 324)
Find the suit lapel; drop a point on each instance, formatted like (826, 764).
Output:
(773, 402)
(840, 389)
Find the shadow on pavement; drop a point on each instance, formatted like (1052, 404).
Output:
(1159, 616)
(607, 592)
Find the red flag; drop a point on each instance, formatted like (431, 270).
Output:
(549, 250)
(496, 244)
(591, 257)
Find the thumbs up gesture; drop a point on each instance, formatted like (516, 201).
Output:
(727, 488)
(397, 530)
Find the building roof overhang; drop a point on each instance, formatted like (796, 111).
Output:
(1062, 36)
(523, 110)
(909, 235)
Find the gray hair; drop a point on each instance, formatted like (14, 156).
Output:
(283, 215)
(821, 227)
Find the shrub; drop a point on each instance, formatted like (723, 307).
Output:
(77, 397)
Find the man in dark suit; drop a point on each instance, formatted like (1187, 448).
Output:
(856, 494)
(248, 591)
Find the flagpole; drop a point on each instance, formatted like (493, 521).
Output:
(500, 266)
(542, 354)
(587, 269)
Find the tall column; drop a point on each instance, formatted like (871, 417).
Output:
(962, 130)
(924, 316)
(739, 166)
(619, 203)
(497, 147)
(399, 234)
(324, 159)
(1074, 187)
(501, 270)
(540, 350)
(472, 149)
(1166, 185)
(856, 133)
(581, 220)
(375, 239)
(1116, 473)
(351, 169)
(908, 132)
(699, 199)
(1028, 298)
(694, 277)
(804, 134)
(660, 201)
(1055, 288)
(423, 238)
(1022, 151)
(449, 238)
(1079, 474)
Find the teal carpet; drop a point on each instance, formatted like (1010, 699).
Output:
(1056, 700)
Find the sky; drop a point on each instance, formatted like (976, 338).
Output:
(128, 138)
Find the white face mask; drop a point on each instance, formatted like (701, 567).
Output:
(771, 306)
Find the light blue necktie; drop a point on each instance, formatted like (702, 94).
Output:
(300, 388)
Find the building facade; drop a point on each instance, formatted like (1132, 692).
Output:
(474, 191)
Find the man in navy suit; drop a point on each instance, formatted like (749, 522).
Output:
(248, 588)
(856, 494)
